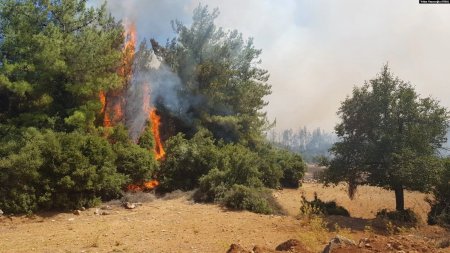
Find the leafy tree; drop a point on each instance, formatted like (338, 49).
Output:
(389, 137)
(220, 77)
(56, 57)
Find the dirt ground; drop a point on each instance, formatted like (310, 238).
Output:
(177, 224)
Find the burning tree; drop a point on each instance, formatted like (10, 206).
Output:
(102, 111)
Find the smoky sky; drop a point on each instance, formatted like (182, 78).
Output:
(317, 51)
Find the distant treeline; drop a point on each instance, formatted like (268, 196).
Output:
(311, 144)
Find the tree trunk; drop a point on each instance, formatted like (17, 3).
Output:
(399, 198)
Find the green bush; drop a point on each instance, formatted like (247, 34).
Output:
(241, 197)
(319, 207)
(48, 170)
(440, 205)
(186, 161)
(293, 168)
(238, 166)
(20, 180)
(269, 167)
(212, 186)
(137, 163)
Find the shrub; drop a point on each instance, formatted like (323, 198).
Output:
(20, 162)
(241, 166)
(137, 163)
(293, 168)
(405, 216)
(319, 207)
(269, 166)
(212, 186)
(245, 198)
(238, 166)
(78, 170)
(186, 161)
(43, 170)
(440, 205)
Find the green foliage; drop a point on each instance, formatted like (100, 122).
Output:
(280, 167)
(241, 197)
(221, 71)
(147, 140)
(187, 160)
(319, 207)
(44, 170)
(440, 205)
(388, 136)
(293, 169)
(56, 57)
(135, 162)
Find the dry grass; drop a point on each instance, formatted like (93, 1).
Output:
(176, 224)
(367, 201)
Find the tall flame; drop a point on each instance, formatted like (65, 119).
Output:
(156, 122)
(113, 107)
(128, 51)
(102, 97)
(113, 102)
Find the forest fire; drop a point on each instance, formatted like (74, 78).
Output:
(114, 103)
(146, 186)
(156, 121)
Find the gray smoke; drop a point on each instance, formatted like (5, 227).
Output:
(152, 82)
(316, 51)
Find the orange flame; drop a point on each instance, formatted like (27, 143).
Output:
(113, 112)
(148, 185)
(128, 51)
(102, 100)
(156, 121)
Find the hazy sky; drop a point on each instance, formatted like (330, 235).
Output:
(317, 51)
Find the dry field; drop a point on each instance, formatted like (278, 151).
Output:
(367, 201)
(178, 225)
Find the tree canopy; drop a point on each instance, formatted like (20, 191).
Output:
(389, 137)
(56, 57)
(220, 76)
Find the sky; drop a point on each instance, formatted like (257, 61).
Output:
(316, 51)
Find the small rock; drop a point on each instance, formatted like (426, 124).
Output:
(236, 248)
(83, 208)
(397, 246)
(97, 211)
(71, 219)
(105, 213)
(291, 245)
(336, 242)
(129, 205)
(1, 212)
(107, 207)
(367, 245)
(77, 212)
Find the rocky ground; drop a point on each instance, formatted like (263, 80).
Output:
(176, 224)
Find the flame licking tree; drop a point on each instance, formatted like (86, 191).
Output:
(113, 103)
(156, 121)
